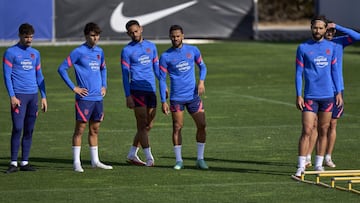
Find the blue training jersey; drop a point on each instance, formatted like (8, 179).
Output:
(316, 63)
(180, 64)
(22, 71)
(90, 71)
(140, 65)
(350, 36)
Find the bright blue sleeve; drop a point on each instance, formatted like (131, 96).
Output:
(200, 63)
(156, 67)
(63, 68)
(352, 34)
(299, 64)
(162, 78)
(40, 78)
(125, 68)
(103, 71)
(7, 69)
(335, 73)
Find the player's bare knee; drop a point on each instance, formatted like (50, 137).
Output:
(307, 131)
(177, 127)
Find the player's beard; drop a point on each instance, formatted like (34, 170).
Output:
(137, 38)
(317, 36)
(177, 44)
(28, 43)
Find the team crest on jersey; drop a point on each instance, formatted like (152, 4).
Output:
(188, 55)
(98, 57)
(328, 51)
(32, 55)
(148, 50)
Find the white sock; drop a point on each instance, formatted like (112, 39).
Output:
(327, 157)
(133, 151)
(301, 161)
(24, 163)
(319, 161)
(94, 154)
(308, 158)
(200, 150)
(177, 150)
(14, 163)
(76, 153)
(148, 155)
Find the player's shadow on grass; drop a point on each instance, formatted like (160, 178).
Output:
(57, 163)
(237, 161)
(261, 164)
(270, 163)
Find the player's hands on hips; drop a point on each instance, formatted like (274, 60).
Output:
(165, 108)
(80, 91)
(130, 102)
(300, 104)
(15, 102)
(44, 104)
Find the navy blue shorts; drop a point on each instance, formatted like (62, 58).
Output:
(192, 106)
(319, 105)
(144, 98)
(89, 110)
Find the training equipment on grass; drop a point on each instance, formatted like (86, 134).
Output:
(351, 176)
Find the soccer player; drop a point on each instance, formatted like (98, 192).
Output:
(140, 65)
(316, 64)
(90, 70)
(23, 78)
(349, 37)
(179, 62)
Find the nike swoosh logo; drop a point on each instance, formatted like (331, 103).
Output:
(118, 20)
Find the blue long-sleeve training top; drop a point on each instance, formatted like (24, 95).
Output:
(90, 71)
(316, 64)
(22, 71)
(140, 66)
(179, 63)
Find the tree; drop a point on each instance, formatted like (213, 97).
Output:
(285, 10)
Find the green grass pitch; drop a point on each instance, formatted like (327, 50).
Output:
(252, 123)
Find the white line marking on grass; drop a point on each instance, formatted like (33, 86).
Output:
(284, 103)
(268, 100)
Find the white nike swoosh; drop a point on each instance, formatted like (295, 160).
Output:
(118, 20)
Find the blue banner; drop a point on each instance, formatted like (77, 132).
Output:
(38, 13)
